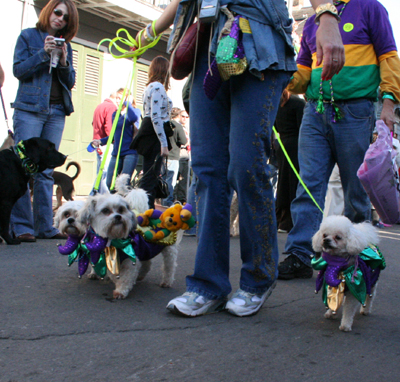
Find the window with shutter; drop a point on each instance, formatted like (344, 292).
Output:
(75, 65)
(92, 71)
(142, 78)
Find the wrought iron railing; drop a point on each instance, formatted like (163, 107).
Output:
(158, 3)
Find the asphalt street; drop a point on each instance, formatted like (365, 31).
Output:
(55, 327)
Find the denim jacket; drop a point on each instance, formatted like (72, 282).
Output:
(269, 46)
(31, 67)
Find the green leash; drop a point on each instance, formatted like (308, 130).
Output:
(294, 169)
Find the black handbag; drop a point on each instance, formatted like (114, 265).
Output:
(168, 129)
(161, 190)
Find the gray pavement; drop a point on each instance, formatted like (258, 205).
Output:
(55, 327)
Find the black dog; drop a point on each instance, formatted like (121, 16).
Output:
(65, 184)
(17, 164)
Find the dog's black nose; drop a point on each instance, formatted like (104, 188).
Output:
(71, 221)
(117, 217)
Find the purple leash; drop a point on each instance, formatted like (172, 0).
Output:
(5, 114)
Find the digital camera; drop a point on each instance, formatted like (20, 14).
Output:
(209, 11)
(59, 41)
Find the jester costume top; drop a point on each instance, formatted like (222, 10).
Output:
(335, 276)
(104, 254)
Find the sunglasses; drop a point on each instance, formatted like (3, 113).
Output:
(59, 13)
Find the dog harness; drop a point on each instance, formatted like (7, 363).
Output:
(104, 254)
(335, 276)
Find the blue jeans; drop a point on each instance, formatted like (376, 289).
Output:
(170, 178)
(323, 143)
(230, 138)
(126, 165)
(48, 126)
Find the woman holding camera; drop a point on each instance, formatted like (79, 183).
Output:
(43, 100)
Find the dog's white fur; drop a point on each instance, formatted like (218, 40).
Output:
(338, 236)
(136, 197)
(66, 218)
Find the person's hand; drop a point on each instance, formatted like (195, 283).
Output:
(142, 39)
(96, 143)
(49, 44)
(330, 47)
(387, 113)
(164, 151)
(64, 55)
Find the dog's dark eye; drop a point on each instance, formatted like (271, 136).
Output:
(106, 211)
(324, 235)
(337, 237)
(121, 210)
(172, 215)
(67, 214)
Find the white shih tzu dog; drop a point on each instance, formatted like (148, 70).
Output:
(111, 218)
(66, 219)
(347, 250)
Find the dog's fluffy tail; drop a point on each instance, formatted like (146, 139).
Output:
(122, 184)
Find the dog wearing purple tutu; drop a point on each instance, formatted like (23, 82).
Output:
(349, 267)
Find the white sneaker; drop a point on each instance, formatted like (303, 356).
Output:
(192, 304)
(245, 304)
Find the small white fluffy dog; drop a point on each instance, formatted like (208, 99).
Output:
(338, 236)
(113, 217)
(110, 217)
(66, 218)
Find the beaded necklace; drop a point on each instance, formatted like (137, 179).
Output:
(336, 113)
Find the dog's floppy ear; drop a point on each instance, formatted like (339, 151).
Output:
(57, 219)
(85, 214)
(317, 241)
(360, 236)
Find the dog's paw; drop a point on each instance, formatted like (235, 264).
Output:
(345, 328)
(165, 285)
(93, 276)
(364, 311)
(118, 295)
(329, 314)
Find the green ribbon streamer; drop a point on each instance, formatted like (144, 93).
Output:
(134, 51)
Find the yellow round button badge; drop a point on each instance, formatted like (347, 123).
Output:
(348, 27)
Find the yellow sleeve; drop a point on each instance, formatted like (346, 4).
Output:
(389, 66)
(300, 80)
